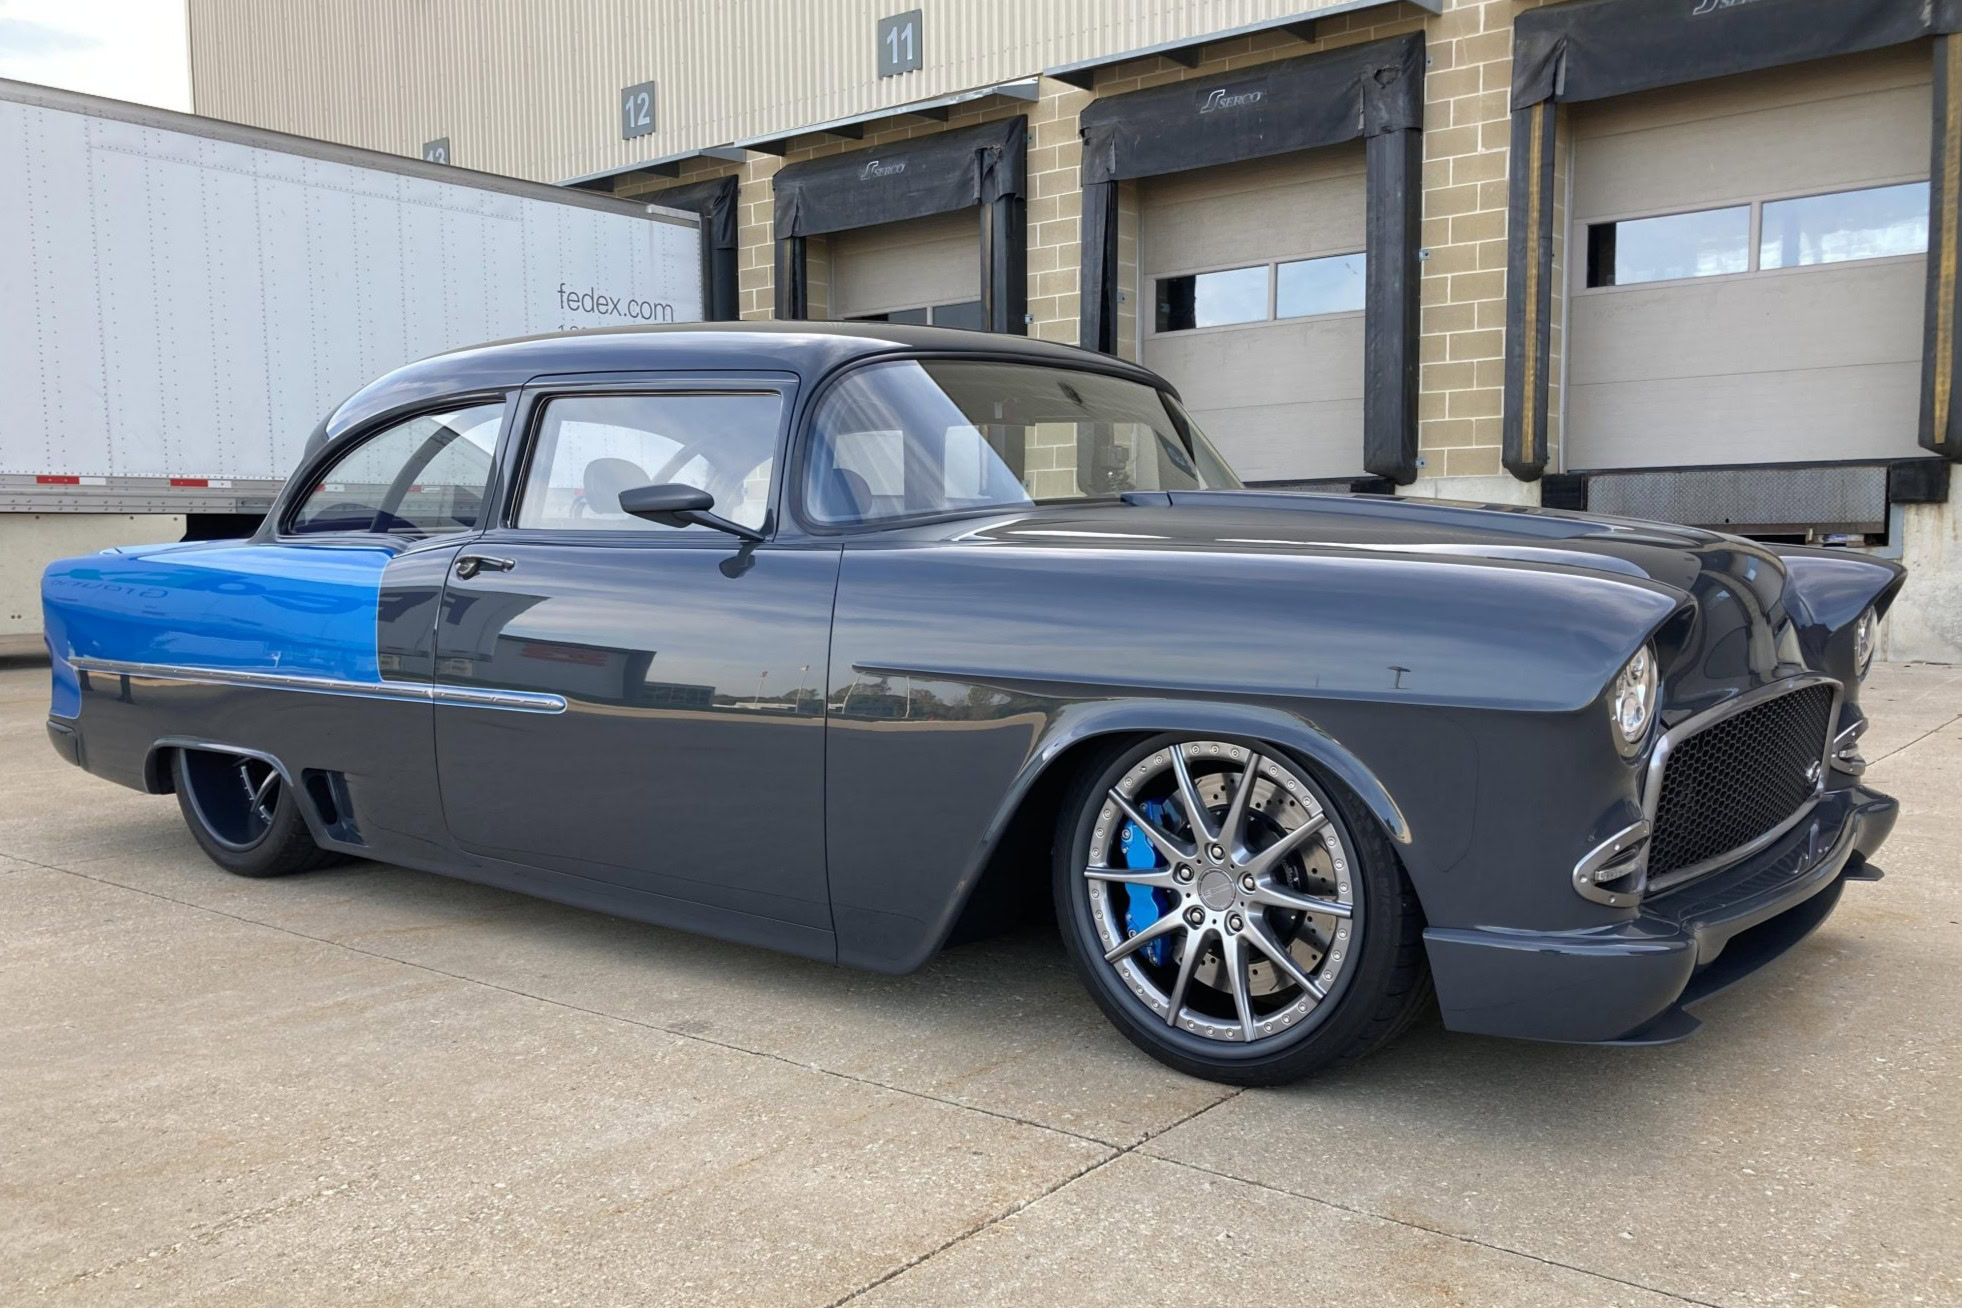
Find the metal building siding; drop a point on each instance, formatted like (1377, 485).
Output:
(536, 80)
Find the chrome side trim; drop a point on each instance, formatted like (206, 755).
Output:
(520, 701)
(1682, 731)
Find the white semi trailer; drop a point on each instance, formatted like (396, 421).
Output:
(182, 300)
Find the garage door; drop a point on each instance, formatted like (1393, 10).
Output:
(926, 270)
(1749, 268)
(1252, 282)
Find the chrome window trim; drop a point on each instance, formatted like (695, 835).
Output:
(1682, 731)
(521, 701)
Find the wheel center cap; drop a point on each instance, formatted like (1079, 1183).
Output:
(1216, 890)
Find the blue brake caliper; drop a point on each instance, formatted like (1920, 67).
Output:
(1145, 905)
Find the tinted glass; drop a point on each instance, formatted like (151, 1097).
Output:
(1311, 286)
(1705, 244)
(424, 477)
(918, 438)
(966, 314)
(1870, 224)
(1213, 299)
(592, 447)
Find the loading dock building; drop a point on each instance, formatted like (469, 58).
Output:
(1688, 259)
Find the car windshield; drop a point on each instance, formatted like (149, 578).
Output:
(928, 437)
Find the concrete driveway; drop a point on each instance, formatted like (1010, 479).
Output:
(370, 1085)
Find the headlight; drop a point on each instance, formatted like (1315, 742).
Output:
(1865, 632)
(1631, 700)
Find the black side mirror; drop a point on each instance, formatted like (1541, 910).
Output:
(676, 505)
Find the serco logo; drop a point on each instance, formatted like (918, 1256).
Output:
(1224, 97)
(878, 168)
(1712, 6)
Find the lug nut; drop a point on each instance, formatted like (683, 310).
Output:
(1184, 873)
(1234, 923)
(1247, 883)
(1218, 853)
(1195, 917)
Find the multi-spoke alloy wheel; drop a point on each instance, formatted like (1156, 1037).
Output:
(1224, 908)
(242, 813)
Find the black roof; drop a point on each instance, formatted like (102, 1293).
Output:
(806, 349)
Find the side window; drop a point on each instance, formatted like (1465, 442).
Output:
(424, 477)
(591, 447)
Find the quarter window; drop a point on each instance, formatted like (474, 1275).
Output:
(427, 476)
(592, 447)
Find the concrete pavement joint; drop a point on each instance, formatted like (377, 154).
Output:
(1901, 749)
(1432, 1230)
(612, 1017)
(1031, 1201)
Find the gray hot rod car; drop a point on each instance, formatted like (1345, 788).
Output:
(840, 639)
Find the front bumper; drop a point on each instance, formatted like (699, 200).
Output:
(1632, 982)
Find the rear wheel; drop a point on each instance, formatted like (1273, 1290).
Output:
(1234, 917)
(242, 814)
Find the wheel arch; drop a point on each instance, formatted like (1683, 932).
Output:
(995, 886)
(158, 778)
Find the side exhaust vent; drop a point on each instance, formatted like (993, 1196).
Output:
(327, 792)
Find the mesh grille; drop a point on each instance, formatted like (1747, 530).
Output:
(1738, 778)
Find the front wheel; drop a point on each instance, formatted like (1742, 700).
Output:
(1236, 919)
(243, 814)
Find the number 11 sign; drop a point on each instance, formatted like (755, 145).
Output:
(899, 43)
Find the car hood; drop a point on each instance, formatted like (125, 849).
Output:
(1761, 609)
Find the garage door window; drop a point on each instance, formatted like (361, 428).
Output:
(1298, 288)
(966, 313)
(1877, 222)
(1307, 287)
(1705, 244)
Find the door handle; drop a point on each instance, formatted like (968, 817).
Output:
(471, 564)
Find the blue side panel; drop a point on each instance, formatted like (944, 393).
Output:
(222, 604)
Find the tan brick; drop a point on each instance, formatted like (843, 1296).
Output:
(1483, 107)
(1485, 166)
(1474, 286)
(1445, 376)
(1475, 403)
(1450, 201)
(1449, 141)
(1487, 224)
(1477, 345)
(1450, 318)
(1472, 461)
(1451, 259)
(1496, 44)
(1451, 84)
(1441, 433)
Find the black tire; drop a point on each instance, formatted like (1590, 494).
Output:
(248, 833)
(1384, 991)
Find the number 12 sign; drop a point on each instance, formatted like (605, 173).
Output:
(899, 43)
(637, 110)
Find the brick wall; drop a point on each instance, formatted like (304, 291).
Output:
(1467, 128)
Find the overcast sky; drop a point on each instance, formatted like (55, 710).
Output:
(124, 49)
